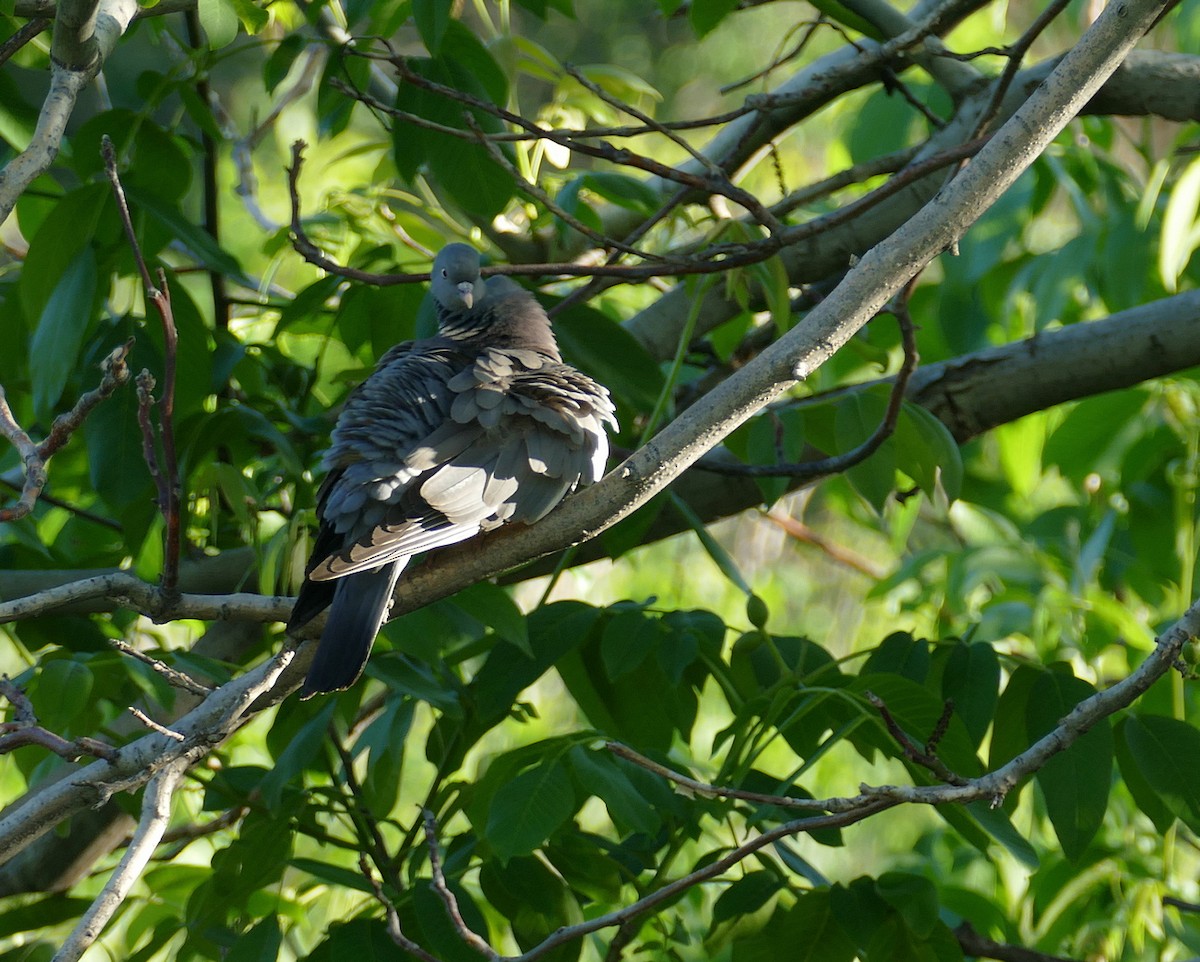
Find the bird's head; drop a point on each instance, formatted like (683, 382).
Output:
(456, 284)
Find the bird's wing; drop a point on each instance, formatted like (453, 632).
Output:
(503, 439)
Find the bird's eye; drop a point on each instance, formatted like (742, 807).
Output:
(445, 273)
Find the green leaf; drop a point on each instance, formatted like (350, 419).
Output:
(432, 18)
(927, 452)
(39, 914)
(627, 639)
(858, 416)
(333, 874)
(704, 15)
(220, 22)
(1180, 231)
(526, 811)
(1145, 796)
(61, 693)
(599, 774)
(812, 930)
(595, 342)
(721, 558)
(261, 943)
(58, 338)
(1164, 749)
(252, 16)
(494, 607)
(972, 680)
(1085, 439)
(464, 169)
(840, 13)
(1075, 782)
(279, 63)
(303, 747)
(900, 654)
(914, 897)
(746, 896)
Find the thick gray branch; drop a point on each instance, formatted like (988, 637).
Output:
(863, 291)
(84, 35)
(1148, 83)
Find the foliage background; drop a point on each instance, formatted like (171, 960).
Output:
(1014, 575)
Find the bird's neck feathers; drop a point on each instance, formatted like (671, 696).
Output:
(507, 318)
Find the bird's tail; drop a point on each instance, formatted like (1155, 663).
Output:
(360, 603)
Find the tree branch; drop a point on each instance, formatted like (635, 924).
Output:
(82, 42)
(156, 813)
(36, 456)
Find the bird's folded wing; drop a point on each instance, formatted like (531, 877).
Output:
(515, 433)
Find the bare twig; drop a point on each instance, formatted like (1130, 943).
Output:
(23, 34)
(536, 192)
(713, 791)
(471, 938)
(979, 946)
(173, 676)
(811, 470)
(122, 589)
(911, 751)
(35, 456)
(160, 296)
(156, 812)
(395, 932)
(155, 726)
(1016, 53)
(24, 730)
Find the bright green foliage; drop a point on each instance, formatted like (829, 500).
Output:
(978, 584)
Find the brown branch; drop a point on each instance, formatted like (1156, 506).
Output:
(923, 758)
(1016, 53)
(24, 730)
(842, 555)
(469, 937)
(173, 676)
(395, 932)
(714, 791)
(35, 456)
(972, 943)
(823, 467)
(160, 296)
(23, 35)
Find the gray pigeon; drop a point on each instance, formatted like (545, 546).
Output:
(452, 435)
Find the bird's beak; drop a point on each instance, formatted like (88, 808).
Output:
(466, 293)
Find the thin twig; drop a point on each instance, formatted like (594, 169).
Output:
(155, 726)
(173, 676)
(470, 937)
(1016, 53)
(23, 35)
(115, 372)
(24, 730)
(714, 791)
(835, 464)
(160, 296)
(911, 751)
(395, 932)
(536, 192)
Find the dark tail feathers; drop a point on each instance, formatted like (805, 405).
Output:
(360, 603)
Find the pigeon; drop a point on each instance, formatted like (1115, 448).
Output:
(483, 424)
